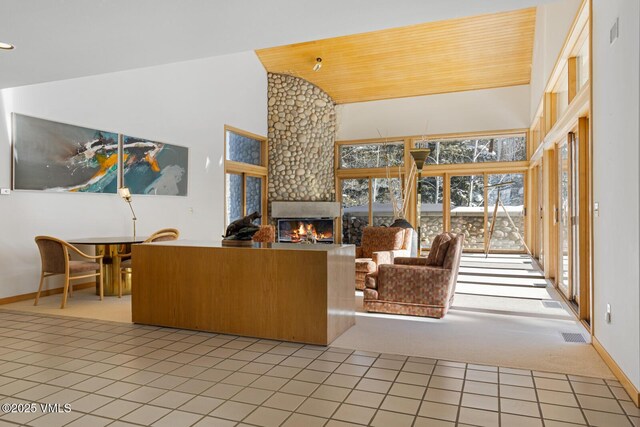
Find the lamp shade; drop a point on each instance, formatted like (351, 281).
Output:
(419, 156)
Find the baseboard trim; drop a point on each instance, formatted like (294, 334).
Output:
(624, 380)
(44, 293)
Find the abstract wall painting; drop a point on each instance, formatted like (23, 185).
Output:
(57, 157)
(157, 168)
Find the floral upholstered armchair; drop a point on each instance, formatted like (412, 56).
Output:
(417, 286)
(380, 245)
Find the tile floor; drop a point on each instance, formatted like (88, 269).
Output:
(118, 375)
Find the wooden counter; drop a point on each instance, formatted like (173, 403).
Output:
(291, 292)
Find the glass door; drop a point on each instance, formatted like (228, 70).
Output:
(540, 215)
(431, 191)
(574, 221)
(563, 218)
(467, 209)
(509, 228)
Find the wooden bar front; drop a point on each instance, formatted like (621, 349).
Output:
(301, 293)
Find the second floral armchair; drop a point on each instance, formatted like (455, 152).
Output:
(380, 245)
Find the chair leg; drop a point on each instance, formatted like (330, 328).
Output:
(65, 291)
(101, 283)
(39, 288)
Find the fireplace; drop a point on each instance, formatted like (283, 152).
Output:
(302, 230)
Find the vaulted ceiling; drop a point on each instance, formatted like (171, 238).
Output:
(479, 52)
(63, 39)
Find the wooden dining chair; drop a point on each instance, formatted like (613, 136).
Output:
(54, 254)
(159, 236)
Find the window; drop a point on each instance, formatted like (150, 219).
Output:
(508, 230)
(376, 155)
(367, 201)
(245, 174)
(509, 148)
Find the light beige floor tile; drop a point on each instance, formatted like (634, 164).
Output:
(365, 398)
(557, 398)
(240, 378)
(145, 415)
(194, 386)
(510, 420)
(354, 414)
(561, 413)
(478, 417)
(418, 368)
(267, 417)
(90, 420)
(269, 383)
(328, 392)
(430, 422)
(484, 376)
(116, 409)
(177, 419)
(172, 399)
(255, 396)
(551, 384)
(284, 401)
(389, 364)
(385, 419)
(312, 376)
(55, 419)
(517, 380)
(299, 387)
(479, 401)
(118, 389)
(144, 394)
(519, 407)
(168, 382)
(90, 403)
(591, 389)
(400, 404)
(214, 422)
(600, 404)
(443, 396)
(233, 410)
(201, 405)
(318, 407)
(222, 391)
(381, 374)
(448, 371)
(438, 410)
(413, 378)
(489, 389)
(297, 420)
(630, 408)
(606, 419)
(514, 392)
(284, 371)
(446, 383)
(376, 386)
(407, 390)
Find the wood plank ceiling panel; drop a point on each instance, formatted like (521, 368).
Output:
(478, 52)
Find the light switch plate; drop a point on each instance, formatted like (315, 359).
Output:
(596, 209)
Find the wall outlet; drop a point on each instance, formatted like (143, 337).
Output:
(596, 209)
(5, 191)
(608, 314)
(190, 210)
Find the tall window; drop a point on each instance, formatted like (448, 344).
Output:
(245, 174)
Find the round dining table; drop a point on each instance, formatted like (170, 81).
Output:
(110, 247)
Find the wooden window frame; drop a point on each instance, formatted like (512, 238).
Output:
(247, 170)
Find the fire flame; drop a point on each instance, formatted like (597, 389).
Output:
(309, 231)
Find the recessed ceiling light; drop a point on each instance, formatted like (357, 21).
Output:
(6, 46)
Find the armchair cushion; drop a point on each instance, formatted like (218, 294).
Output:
(433, 252)
(365, 264)
(414, 284)
(375, 239)
(439, 248)
(371, 280)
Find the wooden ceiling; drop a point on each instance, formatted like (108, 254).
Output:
(478, 52)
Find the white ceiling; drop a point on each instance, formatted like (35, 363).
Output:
(63, 39)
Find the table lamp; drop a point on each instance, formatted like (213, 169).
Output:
(419, 156)
(126, 195)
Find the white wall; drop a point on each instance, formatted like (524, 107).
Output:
(616, 158)
(477, 110)
(553, 22)
(185, 103)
